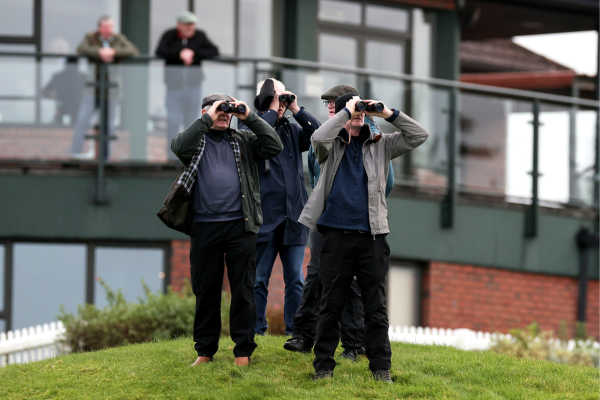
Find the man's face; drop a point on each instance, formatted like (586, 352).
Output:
(330, 104)
(106, 28)
(357, 120)
(186, 30)
(222, 121)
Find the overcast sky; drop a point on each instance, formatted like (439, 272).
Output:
(576, 50)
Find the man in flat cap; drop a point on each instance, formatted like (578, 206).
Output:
(183, 49)
(348, 206)
(222, 177)
(305, 320)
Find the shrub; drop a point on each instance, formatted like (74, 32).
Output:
(157, 316)
(543, 345)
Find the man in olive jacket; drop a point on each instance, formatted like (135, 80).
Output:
(222, 177)
(101, 46)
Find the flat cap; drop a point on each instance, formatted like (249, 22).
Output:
(337, 91)
(211, 98)
(187, 17)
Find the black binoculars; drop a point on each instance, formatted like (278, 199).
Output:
(230, 108)
(287, 97)
(362, 106)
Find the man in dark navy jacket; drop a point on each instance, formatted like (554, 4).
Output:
(183, 49)
(283, 195)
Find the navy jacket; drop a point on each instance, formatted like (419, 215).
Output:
(282, 187)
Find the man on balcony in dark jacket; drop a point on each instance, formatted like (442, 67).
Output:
(283, 195)
(222, 177)
(183, 49)
(348, 206)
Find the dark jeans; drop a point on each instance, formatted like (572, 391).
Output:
(345, 255)
(305, 320)
(292, 258)
(183, 107)
(213, 245)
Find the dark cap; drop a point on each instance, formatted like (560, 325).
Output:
(341, 101)
(337, 91)
(211, 98)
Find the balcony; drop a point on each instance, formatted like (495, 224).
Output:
(490, 144)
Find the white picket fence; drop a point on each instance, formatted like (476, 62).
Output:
(30, 344)
(464, 339)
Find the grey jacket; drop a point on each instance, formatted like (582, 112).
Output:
(378, 150)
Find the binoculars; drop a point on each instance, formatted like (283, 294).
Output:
(287, 97)
(362, 106)
(230, 108)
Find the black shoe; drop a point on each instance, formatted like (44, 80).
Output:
(382, 375)
(361, 351)
(297, 345)
(350, 354)
(323, 374)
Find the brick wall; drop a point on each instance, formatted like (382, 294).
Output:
(489, 299)
(180, 270)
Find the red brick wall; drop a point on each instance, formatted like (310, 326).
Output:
(180, 270)
(489, 299)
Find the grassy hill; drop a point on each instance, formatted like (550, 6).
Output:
(161, 370)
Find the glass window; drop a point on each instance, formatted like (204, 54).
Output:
(65, 22)
(391, 19)
(2, 272)
(385, 56)
(218, 23)
(338, 50)
(255, 27)
(163, 15)
(403, 295)
(16, 17)
(341, 12)
(46, 276)
(124, 268)
(2, 325)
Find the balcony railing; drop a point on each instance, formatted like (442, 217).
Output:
(519, 146)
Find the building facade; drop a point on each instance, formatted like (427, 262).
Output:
(483, 217)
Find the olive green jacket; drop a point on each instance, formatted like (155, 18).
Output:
(259, 143)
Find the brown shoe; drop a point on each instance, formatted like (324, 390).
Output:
(201, 360)
(242, 361)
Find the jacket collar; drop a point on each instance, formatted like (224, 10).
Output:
(374, 136)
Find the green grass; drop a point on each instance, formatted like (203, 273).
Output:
(161, 370)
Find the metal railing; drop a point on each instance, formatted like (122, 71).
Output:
(485, 140)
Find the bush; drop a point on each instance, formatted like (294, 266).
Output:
(158, 316)
(543, 345)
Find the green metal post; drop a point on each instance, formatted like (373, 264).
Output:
(449, 200)
(532, 215)
(103, 85)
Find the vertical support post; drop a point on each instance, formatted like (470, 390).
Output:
(584, 254)
(90, 273)
(532, 215)
(574, 197)
(449, 200)
(8, 284)
(100, 192)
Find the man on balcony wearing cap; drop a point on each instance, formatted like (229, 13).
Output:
(348, 206)
(283, 195)
(183, 49)
(222, 178)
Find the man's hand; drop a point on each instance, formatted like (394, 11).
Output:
(386, 113)
(106, 54)
(275, 103)
(236, 103)
(293, 106)
(350, 104)
(212, 111)
(187, 56)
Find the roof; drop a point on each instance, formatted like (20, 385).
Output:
(502, 55)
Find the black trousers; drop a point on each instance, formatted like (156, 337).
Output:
(305, 319)
(213, 244)
(343, 256)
